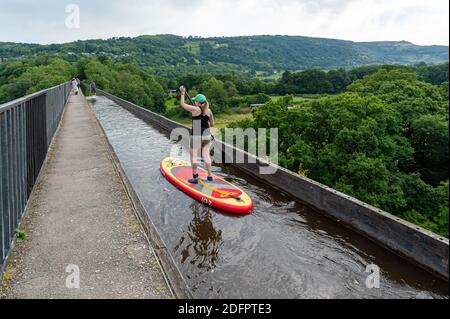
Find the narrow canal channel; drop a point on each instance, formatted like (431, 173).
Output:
(284, 249)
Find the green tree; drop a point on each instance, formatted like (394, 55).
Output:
(339, 80)
(423, 109)
(230, 88)
(356, 143)
(33, 75)
(430, 139)
(434, 74)
(215, 92)
(101, 74)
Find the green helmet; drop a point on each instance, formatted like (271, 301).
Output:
(199, 98)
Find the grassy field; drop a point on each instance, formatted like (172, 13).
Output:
(231, 115)
(274, 77)
(299, 99)
(222, 120)
(193, 48)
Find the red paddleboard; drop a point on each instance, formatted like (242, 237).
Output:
(217, 193)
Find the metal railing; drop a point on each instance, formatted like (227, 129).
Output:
(27, 126)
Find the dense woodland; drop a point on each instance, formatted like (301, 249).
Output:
(383, 141)
(171, 56)
(377, 132)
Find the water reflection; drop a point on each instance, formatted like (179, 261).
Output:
(284, 244)
(202, 248)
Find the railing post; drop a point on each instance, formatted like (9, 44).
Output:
(27, 126)
(7, 175)
(22, 158)
(3, 197)
(15, 175)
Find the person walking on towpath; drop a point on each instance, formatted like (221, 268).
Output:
(93, 88)
(74, 85)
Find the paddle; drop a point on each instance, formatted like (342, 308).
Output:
(219, 191)
(190, 100)
(186, 93)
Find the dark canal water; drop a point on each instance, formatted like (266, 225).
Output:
(284, 249)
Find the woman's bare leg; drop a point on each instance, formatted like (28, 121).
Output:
(194, 162)
(207, 158)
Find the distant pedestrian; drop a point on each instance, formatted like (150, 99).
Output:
(93, 88)
(78, 84)
(74, 85)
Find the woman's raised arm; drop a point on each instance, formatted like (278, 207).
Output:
(184, 105)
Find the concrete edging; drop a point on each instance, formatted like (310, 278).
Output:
(173, 275)
(413, 243)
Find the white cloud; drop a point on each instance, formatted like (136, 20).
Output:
(418, 21)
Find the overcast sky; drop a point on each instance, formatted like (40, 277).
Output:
(418, 21)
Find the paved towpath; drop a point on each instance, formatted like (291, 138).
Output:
(80, 219)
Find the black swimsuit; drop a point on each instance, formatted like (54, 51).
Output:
(200, 126)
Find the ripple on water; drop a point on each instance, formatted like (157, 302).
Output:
(284, 249)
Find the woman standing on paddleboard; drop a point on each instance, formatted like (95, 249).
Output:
(202, 121)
